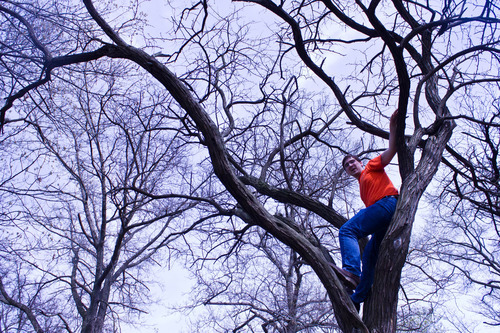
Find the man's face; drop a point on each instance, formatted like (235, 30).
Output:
(353, 167)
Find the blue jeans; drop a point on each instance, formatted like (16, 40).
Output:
(373, 220)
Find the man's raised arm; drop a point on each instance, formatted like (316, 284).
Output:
(388, 154)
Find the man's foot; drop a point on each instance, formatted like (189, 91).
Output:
(350, 280)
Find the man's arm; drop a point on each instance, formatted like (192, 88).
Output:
(389, 153)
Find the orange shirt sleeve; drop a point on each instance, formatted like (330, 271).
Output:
(374, 184)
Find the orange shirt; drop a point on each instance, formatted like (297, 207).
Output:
(374, 184)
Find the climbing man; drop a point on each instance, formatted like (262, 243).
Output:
(380, 197)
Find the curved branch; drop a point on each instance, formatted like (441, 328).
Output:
(31, 31)
(5, 298)
(213, 139)
(302, 52)
(113, 35)
(51, 64)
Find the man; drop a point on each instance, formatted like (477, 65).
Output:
(380, 197)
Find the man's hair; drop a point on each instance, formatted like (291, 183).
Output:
(349, 156)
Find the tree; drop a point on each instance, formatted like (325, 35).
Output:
(468, 214)
(423, 58)
(81, 228)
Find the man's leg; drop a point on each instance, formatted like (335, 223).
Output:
(370, 255)
(349, 234)
(381, 216)
(366, 222)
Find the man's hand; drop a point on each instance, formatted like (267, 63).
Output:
(393, 122)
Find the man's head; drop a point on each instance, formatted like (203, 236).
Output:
(352, 165)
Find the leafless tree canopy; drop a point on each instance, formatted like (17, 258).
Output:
(135, 133)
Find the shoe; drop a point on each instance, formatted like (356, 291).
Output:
(350, 280)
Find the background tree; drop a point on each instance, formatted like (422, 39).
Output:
(235, 94)
(467, 202)
(81, 227)
(287, 298)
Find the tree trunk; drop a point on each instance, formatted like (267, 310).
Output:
(380, 311)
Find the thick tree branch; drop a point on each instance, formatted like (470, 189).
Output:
(297, 199)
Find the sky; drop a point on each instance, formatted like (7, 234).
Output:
(172, 291)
